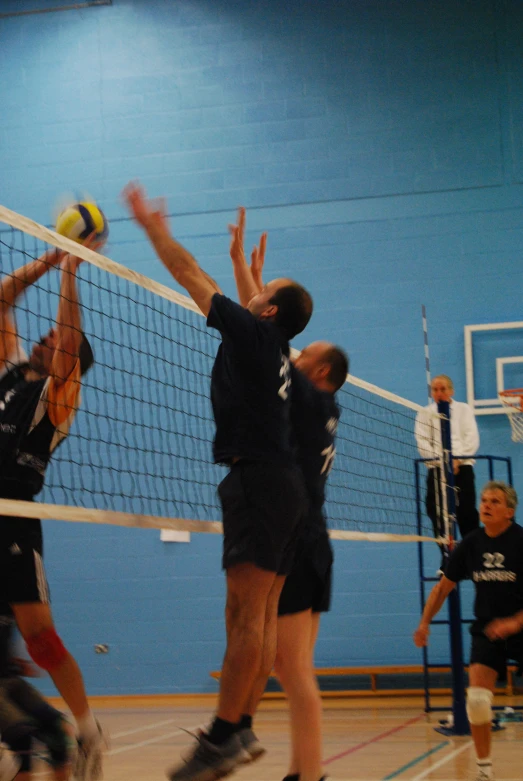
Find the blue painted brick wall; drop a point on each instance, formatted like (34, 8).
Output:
(380, 143)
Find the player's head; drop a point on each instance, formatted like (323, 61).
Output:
(498, 503)
(41, 357)
(324, 364)
(42, 353)
(285, 303)
(442, 388)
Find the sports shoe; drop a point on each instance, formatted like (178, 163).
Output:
(207, 762)
(484, 773)
(88, 763)
(9, 764)
(251, 745)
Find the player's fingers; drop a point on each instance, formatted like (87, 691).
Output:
(241, 222)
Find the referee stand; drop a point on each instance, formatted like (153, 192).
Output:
(459, 724)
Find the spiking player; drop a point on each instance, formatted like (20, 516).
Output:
(492, 557)
(39, 396)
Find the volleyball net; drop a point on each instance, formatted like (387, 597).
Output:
(139, 451)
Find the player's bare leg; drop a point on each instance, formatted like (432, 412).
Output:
(482, 681)
(297, 635)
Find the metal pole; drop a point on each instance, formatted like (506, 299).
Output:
(461, 724)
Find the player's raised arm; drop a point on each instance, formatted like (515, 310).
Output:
(11, 287)
(69, 334)
(248, 278)
(178, 261)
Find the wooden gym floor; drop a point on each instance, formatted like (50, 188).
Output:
(385, 739)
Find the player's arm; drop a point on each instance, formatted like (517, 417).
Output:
(433, 605)
(177, 260)
(248, 278)
(11, 287)
(501, 628)
(68, 323)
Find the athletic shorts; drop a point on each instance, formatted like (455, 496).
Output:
(262, 504)
(22, 574)
(496, 653)
(309, 583)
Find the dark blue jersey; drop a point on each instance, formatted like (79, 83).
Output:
(314, 420)
(495, 566)
(250, 386)
(34, 418)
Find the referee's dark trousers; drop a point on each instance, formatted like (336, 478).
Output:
(466, 512)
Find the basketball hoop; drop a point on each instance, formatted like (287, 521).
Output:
(512, 400)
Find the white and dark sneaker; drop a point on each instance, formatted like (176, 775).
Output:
(88, 760)
(251, 745)
(208, 762)
(484, 772)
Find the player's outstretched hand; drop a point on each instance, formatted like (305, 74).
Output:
(258, 260)
(501, 628)
(147, 213)
(421, 636)
(237, 232)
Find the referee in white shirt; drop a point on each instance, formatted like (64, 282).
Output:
(465, 442)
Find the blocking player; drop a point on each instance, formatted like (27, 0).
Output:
(318, 372)
(263, 495)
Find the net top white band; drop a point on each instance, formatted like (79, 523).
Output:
(49, 236)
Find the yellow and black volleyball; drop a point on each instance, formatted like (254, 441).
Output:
(79, 220)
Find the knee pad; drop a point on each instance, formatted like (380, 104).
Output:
(46, 649)
(479, 705)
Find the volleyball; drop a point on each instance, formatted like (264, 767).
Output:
(80, 220)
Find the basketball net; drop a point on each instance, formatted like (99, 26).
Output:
(512, 401)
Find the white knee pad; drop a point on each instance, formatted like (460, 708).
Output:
(479, 705)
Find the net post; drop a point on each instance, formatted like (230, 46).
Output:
(426, 680)
(461, 724)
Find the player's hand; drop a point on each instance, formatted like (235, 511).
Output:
(501, 628)
(237, 232)
(456, 465)
(146, 213)
(421, 636)
(258, 260)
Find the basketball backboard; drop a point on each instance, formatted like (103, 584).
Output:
(494, 362)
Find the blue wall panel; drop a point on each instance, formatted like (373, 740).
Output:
(379, 143)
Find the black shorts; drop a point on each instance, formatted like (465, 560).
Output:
(496, 653)
(262, 504)
(22, 574)
(309, 583)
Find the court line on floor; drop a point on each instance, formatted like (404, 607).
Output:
(156, 739)
(442, 761)
(415, 761)
(114, 735)
(375, 739)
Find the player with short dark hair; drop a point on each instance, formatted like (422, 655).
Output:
(317, 374)
(263, 496)
(492, 557)
(39, 396)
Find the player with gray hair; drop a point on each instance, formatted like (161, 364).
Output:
(492, 557)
